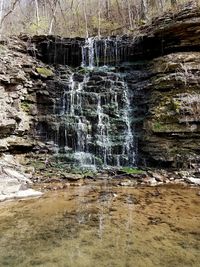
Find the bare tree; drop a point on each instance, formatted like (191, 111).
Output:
(108, 9)
(53, 16)
(99, 19)
(3, 17)
(37, 13)
(86, 20)
(144, 9)
(79, 17)
(129, 14)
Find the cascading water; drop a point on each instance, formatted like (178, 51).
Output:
(96, 110)
(128, 147)
(102, 52)
(88, 53)
(103, 138)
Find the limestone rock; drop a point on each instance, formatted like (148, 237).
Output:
(3, 145)
(192, 180)
(72, 177)
(14, 183)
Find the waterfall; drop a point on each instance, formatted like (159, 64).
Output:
(128, 146)
(103, 138)
(96, 109)
(103, 52)
(88, 53)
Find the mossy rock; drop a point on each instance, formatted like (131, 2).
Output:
(25, 105)
(83, 70)
(45, 72)
(129, 170)
(159, 127)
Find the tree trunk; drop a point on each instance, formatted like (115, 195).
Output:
(1, 15)
(143, 14)
(53, 18)
(129, 14)
(86, 21)
(99, 19)
(37, 14)
(108, 9)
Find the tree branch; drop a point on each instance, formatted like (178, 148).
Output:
(9, 12)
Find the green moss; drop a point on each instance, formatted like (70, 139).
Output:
(45, 72)
(37, 164)
(25, 106)
(89, 173)
(175, 105)
(160, 127)
(157, 126)
(129, 170)
(3, 49)
(166, 110)
(83, 70)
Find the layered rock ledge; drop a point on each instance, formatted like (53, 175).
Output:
(163, 73)
(14, 182)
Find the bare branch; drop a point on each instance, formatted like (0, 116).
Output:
(9, 12)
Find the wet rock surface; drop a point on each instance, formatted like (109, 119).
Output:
(60, 175)
(171, 129)
(90, 121)
(36, 99)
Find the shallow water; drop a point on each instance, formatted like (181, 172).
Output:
(101, 225)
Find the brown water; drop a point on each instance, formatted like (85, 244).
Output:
(99, 226)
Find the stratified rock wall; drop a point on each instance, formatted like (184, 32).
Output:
(170, 135)
(173, 32)
(161, 68)
(22, 79)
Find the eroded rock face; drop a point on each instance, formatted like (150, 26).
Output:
(171, 129)
(164, 89)
(75, 51)
(172, 32)
(20, 80)
(90, 121)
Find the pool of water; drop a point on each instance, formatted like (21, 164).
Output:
(101, 225)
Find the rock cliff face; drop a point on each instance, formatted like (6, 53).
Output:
(171, 135)
(161, 71)
(23, 81)
(171, 132)
(170, 33)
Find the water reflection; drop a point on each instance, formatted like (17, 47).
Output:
(100, 225)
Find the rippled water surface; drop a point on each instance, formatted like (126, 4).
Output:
(101, 225)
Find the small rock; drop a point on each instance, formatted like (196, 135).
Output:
(128, 183)
(158, 177)
(154, 220)
(183, 174)
(156, 193)
(193, 180)
(28, 193)
(131, 200)
(151, 181)
(72, 177)
(15, 174)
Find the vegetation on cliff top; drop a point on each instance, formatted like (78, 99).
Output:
(81, 17)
